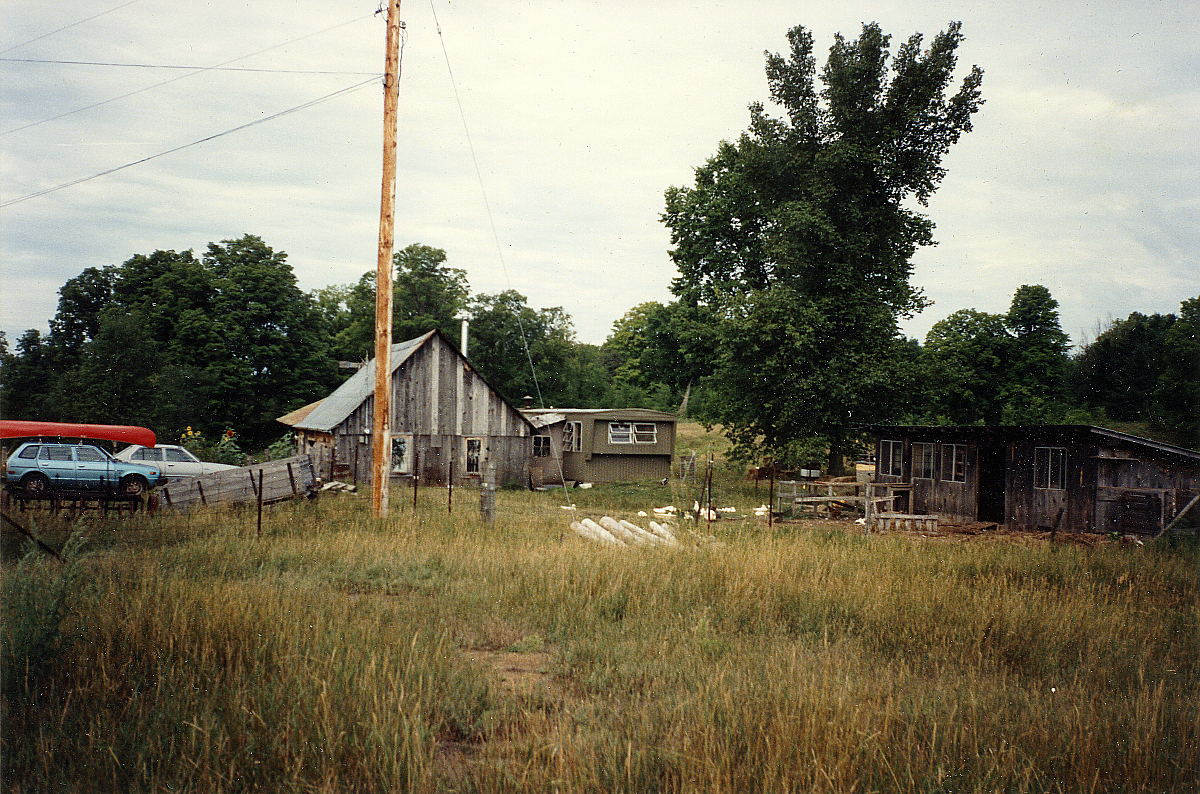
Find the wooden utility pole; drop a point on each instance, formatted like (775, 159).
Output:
(381, 430)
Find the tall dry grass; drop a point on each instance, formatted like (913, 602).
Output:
(332, 654)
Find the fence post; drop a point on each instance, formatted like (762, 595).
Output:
(260, 499)
(487, 504)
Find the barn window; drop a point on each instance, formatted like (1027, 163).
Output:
(1049, 468)
(402, 454)
(541, 446)
(954, 463)
(572, 433)
(474, 454)
(923, 461)
(620, 433)
(891, 458)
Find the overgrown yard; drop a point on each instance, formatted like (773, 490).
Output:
(431, 653)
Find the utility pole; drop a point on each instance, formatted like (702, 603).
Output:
(381, 427)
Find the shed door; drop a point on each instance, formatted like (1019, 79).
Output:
(991, 483)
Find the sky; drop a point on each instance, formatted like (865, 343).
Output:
(1080, 174)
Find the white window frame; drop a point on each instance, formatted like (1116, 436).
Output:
(1045, 466)
(891, 457)
(572, 436)
(645, 433)
(542, 447)
(620, 432)
(956, 470)
(924, 461)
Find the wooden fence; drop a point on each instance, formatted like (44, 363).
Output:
(281, 480)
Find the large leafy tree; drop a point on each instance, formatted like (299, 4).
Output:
(1038, 365)
(1177, 393)
(967, 356)
(799, 236)
(1117, 372)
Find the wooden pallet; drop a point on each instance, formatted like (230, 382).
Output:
(887, 521)
(281, 480)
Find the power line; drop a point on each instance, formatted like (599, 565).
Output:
(199, 70)
(174, 66)
(272, 117)
(486, 203)
(64, 27)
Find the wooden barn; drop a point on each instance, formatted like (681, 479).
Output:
(1075, 478)
(447, 421)
(601, 444)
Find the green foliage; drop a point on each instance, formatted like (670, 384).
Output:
(283, 447)
(798, 238)
(1177, 393)
(224, 450)
(1117, 372)
(39, 595)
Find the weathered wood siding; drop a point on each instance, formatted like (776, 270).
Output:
(281, 479)
(440, 400)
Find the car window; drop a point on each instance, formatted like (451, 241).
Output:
(148, 454)
(55, 453)
(138, 454)
(29, 452)
(88, 454)
(177, 456)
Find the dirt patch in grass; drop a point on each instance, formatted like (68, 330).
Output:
(518, 673)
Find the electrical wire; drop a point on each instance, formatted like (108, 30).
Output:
(200, 70)
(64, 27)
(272, 117)
(174, 66)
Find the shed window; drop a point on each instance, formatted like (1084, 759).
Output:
(541, 446)
(572, 432)
(474, 454)
(620, 433)
(891, 458)
(923, 461)
(1049, 468)
(954, 463)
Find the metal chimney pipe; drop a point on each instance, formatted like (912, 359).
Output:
(463, 336)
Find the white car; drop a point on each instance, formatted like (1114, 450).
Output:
(175, 462)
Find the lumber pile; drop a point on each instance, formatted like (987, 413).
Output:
(281, 479)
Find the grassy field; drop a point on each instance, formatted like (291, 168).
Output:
(429, 652)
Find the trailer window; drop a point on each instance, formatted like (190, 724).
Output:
(572, 431)
(541, 446)
(1049, 468)
(645, 433)
(620, 433)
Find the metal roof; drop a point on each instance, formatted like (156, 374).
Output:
(335, 408)
(601, 413)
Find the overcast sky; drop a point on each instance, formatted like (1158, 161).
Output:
(1081, 173)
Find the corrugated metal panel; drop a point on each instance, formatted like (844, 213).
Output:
(335, 408)
(626, 468)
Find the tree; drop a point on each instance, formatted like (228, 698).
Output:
(799, 237)
(1177, 394)
(1117, 372)
(1037, 378)
(501, 327)
(426, 294)
(967, 357)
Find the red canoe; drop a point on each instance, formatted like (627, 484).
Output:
(126, 434)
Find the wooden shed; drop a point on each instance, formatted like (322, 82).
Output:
(446, 420)
(1076, 478)
(601, 444)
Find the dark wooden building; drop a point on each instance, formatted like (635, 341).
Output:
(445, 419)
(1078, 478)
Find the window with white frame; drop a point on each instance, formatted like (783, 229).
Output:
(1050, 468)
(923, 461)
(645, 433)
(954, 463)
(402, 454)
(572, 433)
(620, 432)
(541, 446)
(891, 458)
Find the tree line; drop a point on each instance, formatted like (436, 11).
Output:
(793, 246)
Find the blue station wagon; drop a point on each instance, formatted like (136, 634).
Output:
(38, 468)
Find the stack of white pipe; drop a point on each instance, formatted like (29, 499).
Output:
(624, 533)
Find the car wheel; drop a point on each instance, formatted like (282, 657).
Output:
(134, 485)
(35, 485)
